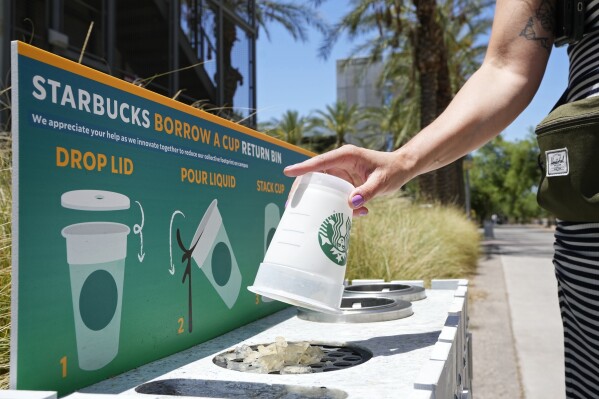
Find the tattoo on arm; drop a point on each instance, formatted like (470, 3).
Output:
(540, 26)
(529, 33)
(546, 15)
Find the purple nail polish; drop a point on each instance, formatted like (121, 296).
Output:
(286, 203)
(363, 212)
(357, 200)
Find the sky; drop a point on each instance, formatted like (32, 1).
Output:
(291, 76)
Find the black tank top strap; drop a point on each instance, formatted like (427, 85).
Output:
(583, 79)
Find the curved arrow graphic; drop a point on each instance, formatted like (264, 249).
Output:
(170, 240)
(137, 229)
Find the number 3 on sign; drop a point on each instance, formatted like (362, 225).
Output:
(63, 362)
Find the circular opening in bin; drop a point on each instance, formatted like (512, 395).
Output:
(336, 357)
(235, 389)
(387, 290)
(349, 304)
(374, 288)
(361, 309)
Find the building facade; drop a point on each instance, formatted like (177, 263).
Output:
(358, 83)
(201, 52)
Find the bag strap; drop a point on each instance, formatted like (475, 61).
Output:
(562, 100)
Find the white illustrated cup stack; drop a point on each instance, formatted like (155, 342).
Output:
(305, 262)
(96, 253)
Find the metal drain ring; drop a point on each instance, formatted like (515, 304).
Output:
(340, 356)
(369, 309)
(388, 290)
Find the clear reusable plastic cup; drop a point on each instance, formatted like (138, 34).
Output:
(305, 262)
(96, 253)
(272, 217)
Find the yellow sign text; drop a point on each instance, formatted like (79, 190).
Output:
(91, 161)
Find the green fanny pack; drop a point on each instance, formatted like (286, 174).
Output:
(569, 142)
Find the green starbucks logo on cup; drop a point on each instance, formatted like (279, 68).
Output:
(334, 237)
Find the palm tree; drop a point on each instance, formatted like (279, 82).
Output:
(447, 23)
(396, 120)
(422, 43)
(289, 128)
(293, 16)
(339, 119)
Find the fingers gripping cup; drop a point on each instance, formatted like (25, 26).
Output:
(305, 262)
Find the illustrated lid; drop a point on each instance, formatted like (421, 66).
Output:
(94, 200)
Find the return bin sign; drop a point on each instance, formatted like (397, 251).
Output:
(138, 223)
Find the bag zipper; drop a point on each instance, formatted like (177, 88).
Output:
(561, 123)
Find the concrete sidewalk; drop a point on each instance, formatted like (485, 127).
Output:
(514, 319)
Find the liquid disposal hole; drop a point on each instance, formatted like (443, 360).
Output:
(235, 389)
(377, 288)
(335, 357)
(365, 303)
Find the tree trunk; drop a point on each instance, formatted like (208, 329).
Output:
(427, 62)
(451, 184)
(446, 184)
(340, 140)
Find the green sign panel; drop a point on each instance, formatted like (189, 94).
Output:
(138, 223)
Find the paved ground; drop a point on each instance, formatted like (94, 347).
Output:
(517, 333)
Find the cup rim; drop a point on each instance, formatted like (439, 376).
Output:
(294, 299)
(324, 179)
(95, 228)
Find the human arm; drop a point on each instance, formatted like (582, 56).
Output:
(510, 75)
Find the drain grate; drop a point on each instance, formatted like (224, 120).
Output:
(340, 357)
(336, 357)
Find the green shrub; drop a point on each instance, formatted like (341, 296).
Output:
(400, 240)
(5, 262)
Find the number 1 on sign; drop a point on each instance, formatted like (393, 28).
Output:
(63, 362)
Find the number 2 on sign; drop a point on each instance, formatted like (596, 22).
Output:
(63, 362)
(181, 321)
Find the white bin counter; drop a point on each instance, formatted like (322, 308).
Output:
(425, 355)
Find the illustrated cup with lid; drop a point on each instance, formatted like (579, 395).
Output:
(96, 253)
(305, 262)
